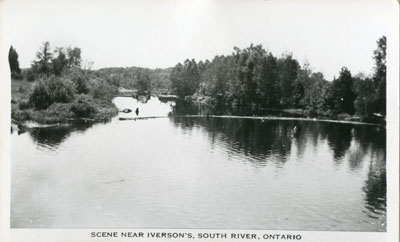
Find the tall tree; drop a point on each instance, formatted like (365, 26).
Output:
(288, 68)
(143, 83)
(14, 63)
(343, 94)
(365, 91)
(60, 62)
(269, 89)
(379, 76)
(74, 57)
(42, 64)
(185, 78)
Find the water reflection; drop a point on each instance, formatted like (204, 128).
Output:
(52, 137)
(252, 138)
(339, 139)
(271, 140)
(184, 107)
(274, 174)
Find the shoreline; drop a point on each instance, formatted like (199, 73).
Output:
(252, 117)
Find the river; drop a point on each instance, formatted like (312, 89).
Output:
(198, 172)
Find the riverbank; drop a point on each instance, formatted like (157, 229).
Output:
(82, 108)
(62, 113)
(262, 118)
(299, 113)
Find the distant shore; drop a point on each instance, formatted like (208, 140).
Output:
(262, 118)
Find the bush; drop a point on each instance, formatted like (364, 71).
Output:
(80, 80)
(24, 104)
(102, 90)
(29, 75)
(16, 76)
(83, 106)
(51, 90)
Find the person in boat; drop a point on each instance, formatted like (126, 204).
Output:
(137, 111)
(296, 130)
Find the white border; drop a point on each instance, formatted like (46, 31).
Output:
(392, 233)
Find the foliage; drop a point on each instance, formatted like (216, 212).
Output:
(365, 102)
(144, 83)
(29, 74)
(60, 62)
(343, 94)
(317, 93)
(250, 79)
(42, 64)
(288, 69)
(379, 76)
(185, 78)
(74, 57)
(51, 90)
(14, 64)
(129, 78)
(80, 79)
(255, 79)
(100, 89)
(83, 106)
(48, 63)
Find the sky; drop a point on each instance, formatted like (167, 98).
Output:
(160, 33)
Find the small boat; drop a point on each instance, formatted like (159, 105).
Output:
(126, 110)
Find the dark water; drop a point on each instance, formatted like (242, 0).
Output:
(200, 173)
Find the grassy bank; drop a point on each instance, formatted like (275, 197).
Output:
(81, 107)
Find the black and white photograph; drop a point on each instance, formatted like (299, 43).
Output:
(181, 116)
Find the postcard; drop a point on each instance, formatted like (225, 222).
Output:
(199, 120)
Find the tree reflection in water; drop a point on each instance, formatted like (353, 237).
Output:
(52, 137)
(259, 140)
(270, 142)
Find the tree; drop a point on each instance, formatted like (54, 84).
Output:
(79, 79)
(343, 94)
(317, 93)
(14, 64)
(60, 62)
(143, 83)
(379, 76)
(42, 64)
(185, 78)
(74, 57)
(288, 68)
(364, 103)
(269, 89)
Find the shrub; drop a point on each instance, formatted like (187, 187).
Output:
(80, 80)
(80, 84)
(50, 90)
(29, 75)
(16, 76)
(24, 104)
(83, 106)
(102, 90)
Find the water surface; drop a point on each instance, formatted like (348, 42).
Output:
(199, 173)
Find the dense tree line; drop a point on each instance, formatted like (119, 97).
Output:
(255, 79)
(252, 79)
(144, 80)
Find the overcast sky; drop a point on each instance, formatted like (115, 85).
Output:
(161, 33)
